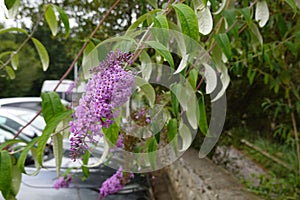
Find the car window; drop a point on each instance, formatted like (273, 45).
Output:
(38, 123)
(2, 120)
(13, 124)
(28, 105)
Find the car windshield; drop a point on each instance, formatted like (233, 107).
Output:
(38, 123)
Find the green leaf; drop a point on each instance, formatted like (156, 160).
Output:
(14, 60)
(247, 15)
(51, 105)
(151, 148)
(293, 5)
(57, 151)
(174, 103)
(256, 32)
(49, 129)
(153, 3)
(266, 78)
(251, 75)
(16, 179)
(230, 17)
(9, 3)
(13, 8)
(191, 112)
(64, 18)
(162, 50)
(24, 154)
(5, 53)
(10, 142)
(140, 20)
(188, 20)
(85, 160)
(90, 46)
(147, 89)
(205, 2)
(51, 19)
(5, 30)
(42, 53)
(202, 118)
(262, 13)
(172, 133)
(160, 21)
(5, 173)
(223, 42)
(292, 47)
(193, 77)
(111, 133)
(10, 72)
(160, 32)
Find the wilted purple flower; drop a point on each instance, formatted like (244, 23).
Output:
(109, 88)
(62, 182)
(113, 184)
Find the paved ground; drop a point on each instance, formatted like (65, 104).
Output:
(219, 183)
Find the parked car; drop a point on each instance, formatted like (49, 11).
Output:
(16, 118)
(8, 134)
(33, 103)
(41, 186)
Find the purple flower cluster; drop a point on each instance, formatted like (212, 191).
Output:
(113, 184)
(62, 182)
(109, 88)
(120, 141)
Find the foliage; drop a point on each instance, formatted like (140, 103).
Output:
(198, 41)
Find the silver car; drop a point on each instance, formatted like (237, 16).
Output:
(15, 118)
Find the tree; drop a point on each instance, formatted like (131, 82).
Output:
(27, 71)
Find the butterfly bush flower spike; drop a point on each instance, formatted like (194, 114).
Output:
(114, 183)
(62, 182)
(109, 88)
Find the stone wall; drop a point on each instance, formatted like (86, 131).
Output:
(192, 178)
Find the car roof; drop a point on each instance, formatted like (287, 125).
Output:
(16, 111)
(19, 99)
(9, 100)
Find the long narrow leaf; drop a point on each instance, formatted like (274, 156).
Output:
(5, 173)
(64, 18)
(51, 19)
(51, 105)
(57, 151)
(162, 50)
(5, 30)
(24, 154)
(42, 53)
(49, 129)
(202, 118)
(188, 20)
